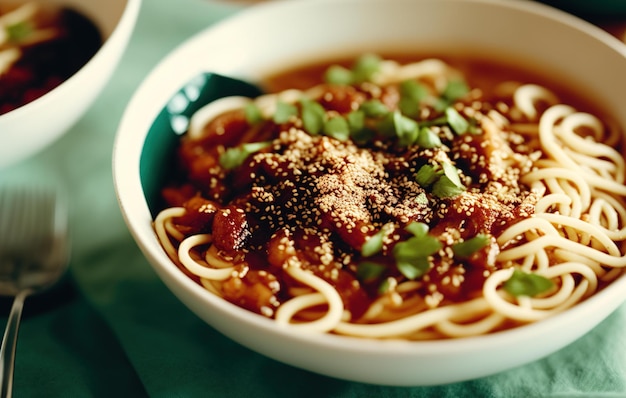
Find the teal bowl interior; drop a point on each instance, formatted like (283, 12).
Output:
(592, 9)
(157, 162)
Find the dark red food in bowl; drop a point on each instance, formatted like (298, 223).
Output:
(44, 66)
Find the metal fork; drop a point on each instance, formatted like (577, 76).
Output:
(33, 257)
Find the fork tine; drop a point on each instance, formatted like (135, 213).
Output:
(26, 219)
(10, 218)
(7, 216)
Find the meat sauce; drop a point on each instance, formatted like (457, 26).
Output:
(43, 66)
(318, 200)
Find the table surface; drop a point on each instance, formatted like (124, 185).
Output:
(111, 328)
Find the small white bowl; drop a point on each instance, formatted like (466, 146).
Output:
(33, 126)
(254, 43)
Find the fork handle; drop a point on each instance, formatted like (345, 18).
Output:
(9, 344)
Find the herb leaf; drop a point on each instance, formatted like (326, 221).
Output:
(412, 93)
(455, 89)
(365, 68)
(417, 246)
(234, 157)
(337, 127)
(445, 180)
(19, 30)
(384, 286)
(313, 115)
(418, 229)
(449, 184)
(375, 243)
(356, 120)
(525, 284)
(374, 108)
(457, 122)
(412, 254)
(284, 112)
(428, 139)
(446, 188)
(452, 173)
(427, 175)
(413, 268)
(337, 74)
(468, 247)
(368, 271)
(406, 129)
(253, 113)
(363, 135)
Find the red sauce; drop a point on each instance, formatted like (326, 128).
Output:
(326, 212)
(44, 66)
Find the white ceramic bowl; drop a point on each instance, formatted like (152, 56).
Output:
(31, 127)
(249, 45)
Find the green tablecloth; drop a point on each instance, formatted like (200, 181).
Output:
(112, 329)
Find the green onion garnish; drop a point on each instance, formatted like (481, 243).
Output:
(446, 188)
(407, 129)
(253, 113)
(284, 112)
(234, 157)
(338, 128)
(374, 244)
(394, 124)
(368, 271)
(313, 116)
(413, 268)
(19, 30)
(449, 184)
(457, 122)
(525, 284)
(452, 173)
(445, 180)
(418, 229)
(386, 126)
(363, 136)
(468, 247)
(412, 93)
(417, 246)
(338, 75)
(356, 121)
(455, 89)
(428, 139)
(384, 286)
(365, 68)
(427, 175)
(412, 254)
(374, 108)
(359, 131)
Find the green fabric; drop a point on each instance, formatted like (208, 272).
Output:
(112, 329)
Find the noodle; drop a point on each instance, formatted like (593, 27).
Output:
(469, 218)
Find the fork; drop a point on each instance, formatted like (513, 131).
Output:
(33, 257)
